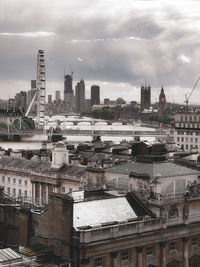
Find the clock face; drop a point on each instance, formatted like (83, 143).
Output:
(162, 99)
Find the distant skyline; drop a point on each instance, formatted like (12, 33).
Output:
(116, 44)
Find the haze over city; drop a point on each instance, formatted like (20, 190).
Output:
(115, 44)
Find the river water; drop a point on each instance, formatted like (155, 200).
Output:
(35, 142)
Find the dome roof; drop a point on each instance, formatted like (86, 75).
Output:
(60, 144)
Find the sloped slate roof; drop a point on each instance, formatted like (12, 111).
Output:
(39, 166)
(24, 163)
(165, 169)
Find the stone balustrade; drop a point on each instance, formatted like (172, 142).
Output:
(131, 228)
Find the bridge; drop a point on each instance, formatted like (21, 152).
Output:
(80, 132)
(91, 122)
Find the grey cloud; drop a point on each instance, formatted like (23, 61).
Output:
(126, 46)
(37, 34)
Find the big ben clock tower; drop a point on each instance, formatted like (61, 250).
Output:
(162, 102)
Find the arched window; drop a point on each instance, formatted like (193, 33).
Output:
(175, 189)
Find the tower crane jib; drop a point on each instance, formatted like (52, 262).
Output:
(187, 98)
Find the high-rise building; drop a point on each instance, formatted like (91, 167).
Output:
(31, 93)
(21, 101)
(87, 104)
(68, 84)
(95, 95)
(49, 99)
(145, 97)
(57, 96)
(106, 101)
(162, 101)
(33, 84)
(68, 93)
(80, 96)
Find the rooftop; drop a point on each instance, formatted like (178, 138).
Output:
(164, 169)
(98, 212)
(39, 166)
(7, 255)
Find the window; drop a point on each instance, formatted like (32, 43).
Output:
(185, 118)
(194, 242)
(181, 118)
(149, 251)
(172, 246)
(191, 140)
(20, 193)
(182, 139)
(25, 193)
(20, 181)
(124, 256)
(172, 212)
(178, 139)
(8, 190)
(186, 139)
(8, 179)
(14, 192)
(63, 189)
(25, 182)
(98, 262)
(186, 146)
(3, 179)
(196, 140)
(195, 118)
(190, 118)
(14, 180)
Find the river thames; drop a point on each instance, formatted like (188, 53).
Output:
(35, 142)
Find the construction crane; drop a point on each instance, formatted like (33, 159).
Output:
(187, 98)
(70, 67)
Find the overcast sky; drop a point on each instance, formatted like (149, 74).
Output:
(117, 44)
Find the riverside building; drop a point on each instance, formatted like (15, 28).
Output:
(186, 131)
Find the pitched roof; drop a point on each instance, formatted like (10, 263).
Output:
(165, 169)
(39, 166)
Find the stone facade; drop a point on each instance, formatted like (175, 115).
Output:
(145, 98)
(186, 131)
(171, 239)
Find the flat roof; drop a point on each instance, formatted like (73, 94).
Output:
(97, 212)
